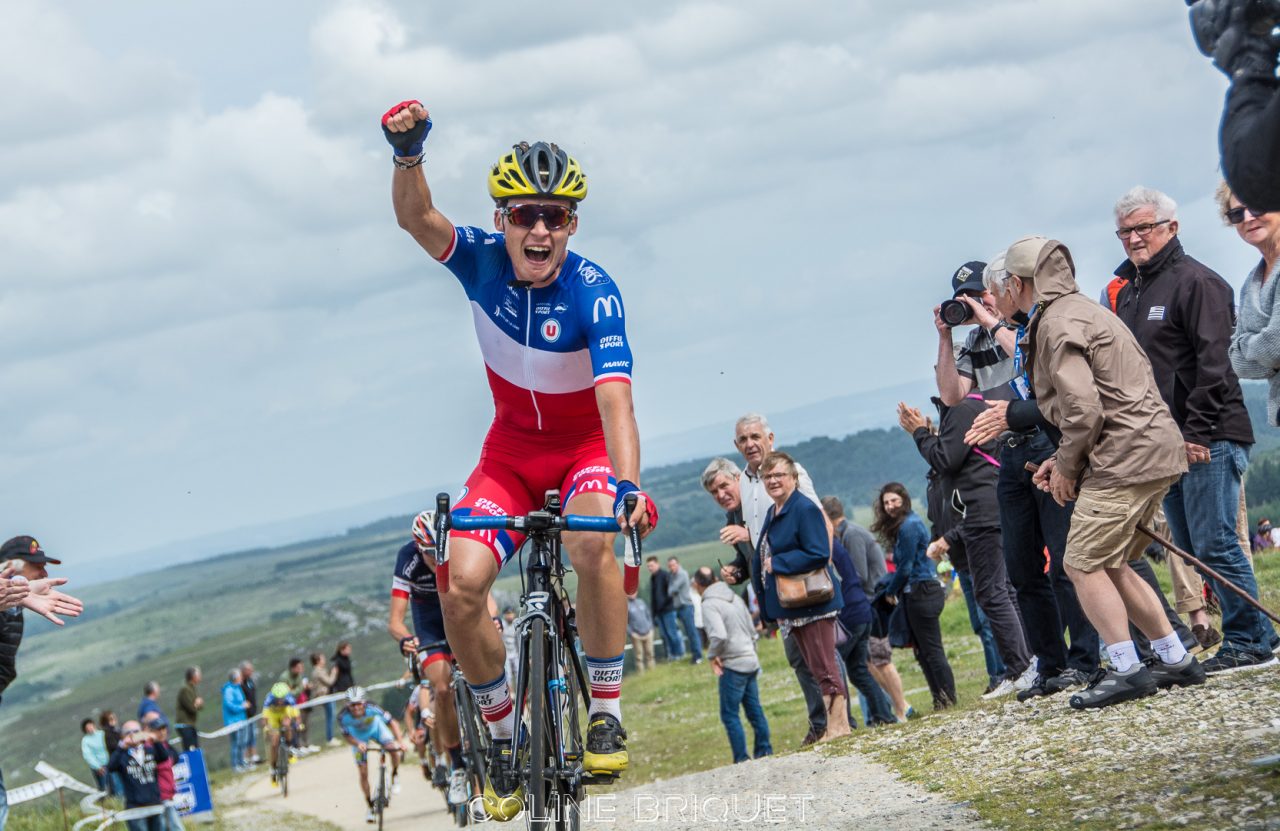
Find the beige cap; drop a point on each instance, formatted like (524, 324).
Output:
(1021, 257)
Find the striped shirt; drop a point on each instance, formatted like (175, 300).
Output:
(983, 361)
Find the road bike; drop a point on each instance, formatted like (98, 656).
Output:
(381, 788)
(282, 762)
(550, 680)
(471, 730)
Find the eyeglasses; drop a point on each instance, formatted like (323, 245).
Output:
(1236, 215)
(771, 477)
(527, 216)
(1142, 230)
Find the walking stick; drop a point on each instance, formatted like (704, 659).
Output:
(1194, 561)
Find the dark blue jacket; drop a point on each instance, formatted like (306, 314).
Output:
(141, 786)
(857, 609)
(909, 557)
(798, 542)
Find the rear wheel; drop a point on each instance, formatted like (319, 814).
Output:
(475, 745)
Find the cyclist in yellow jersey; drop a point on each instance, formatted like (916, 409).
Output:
(279, 713)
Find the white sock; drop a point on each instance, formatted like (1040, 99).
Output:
(494, 701)
(1124, 655)
(1169, 648)
(605, 677)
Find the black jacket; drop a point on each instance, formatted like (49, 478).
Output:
(1183, 314)
(967, 475)
(11, 624)
(659, 600)
(743, 551)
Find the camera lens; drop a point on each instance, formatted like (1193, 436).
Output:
(955, 312)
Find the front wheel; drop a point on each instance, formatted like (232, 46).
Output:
(540, 785)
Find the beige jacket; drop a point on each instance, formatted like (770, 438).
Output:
(1094, 383)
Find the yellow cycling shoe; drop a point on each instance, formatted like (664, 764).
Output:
(503, 796)
(606, 753)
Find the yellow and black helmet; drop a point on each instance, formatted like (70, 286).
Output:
(538, 169)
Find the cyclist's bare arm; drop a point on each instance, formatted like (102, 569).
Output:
(622, 439)
(411, 196)
(395, 621)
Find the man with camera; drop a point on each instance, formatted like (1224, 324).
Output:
(136, 760)
(984, 363)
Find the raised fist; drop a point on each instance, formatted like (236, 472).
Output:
(406, 126)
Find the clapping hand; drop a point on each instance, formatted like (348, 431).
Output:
(12, 593)
(46, 601)
(910, 418)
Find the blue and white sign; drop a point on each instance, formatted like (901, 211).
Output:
(191, 784)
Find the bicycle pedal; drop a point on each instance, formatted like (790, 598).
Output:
(599, 777)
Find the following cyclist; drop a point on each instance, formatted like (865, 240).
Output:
(362, 723)
(550, 327)
(420, 726)
(413, 585)
(281, 716)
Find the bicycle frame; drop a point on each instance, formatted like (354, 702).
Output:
(547, 635)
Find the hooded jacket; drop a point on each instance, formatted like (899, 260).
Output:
(1183, 315)
(730, 631)
(1094, 383)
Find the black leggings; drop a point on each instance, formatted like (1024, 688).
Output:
(924, 607)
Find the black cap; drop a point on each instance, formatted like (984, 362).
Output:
(968, 278)
(26, 548)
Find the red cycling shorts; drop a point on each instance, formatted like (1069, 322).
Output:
(516, 470)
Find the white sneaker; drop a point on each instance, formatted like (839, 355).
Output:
(369, 817)
(1005, 687)
(457, 787)
(1028, 677)
(395, 785)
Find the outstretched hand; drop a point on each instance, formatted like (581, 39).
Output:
(49, 603)
(405, 127)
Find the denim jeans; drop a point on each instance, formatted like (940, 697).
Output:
(981, 628)
(876, 707)
(1201, 510)
(671, 640)
(155, 823)
(236, 738)
(172, 818)
(4, 802)
(1031, 521)
(328, 720)
(739, 689)
(685, 614)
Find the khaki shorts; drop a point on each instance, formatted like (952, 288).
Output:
(880, 652)
(1104, 526)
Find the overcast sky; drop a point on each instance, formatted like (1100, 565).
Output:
(209, 319)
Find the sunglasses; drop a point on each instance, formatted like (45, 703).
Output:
(527, 216)
(1236, 215)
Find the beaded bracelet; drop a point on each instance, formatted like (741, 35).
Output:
(411, 163)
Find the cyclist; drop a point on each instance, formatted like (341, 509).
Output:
(413, 585)
(363, 722)
(280, 715)
(420, 726)
(550, 327)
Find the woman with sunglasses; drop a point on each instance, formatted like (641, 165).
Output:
(1255, 346)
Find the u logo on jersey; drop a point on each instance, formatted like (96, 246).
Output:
(551, 330)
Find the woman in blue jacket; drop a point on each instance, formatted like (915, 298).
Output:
(794, 540)
(915, 584)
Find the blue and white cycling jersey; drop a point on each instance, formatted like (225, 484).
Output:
(546, 348)
(371, 726)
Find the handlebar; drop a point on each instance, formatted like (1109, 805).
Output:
(534, 522)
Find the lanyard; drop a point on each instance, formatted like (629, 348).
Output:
(1021, 384)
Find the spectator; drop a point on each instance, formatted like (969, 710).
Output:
(1182, 314)
(164, 774)
(867, 558)
(640, 630)
(855, 619)
(189, 706)
(342, 661)
(322, 678)
(23, 557)
(755, 441)
(968, 476)
(663, 612)
(984, 364)
(720, 479)
(150, 702)
(235, 708)
(93, 749)
(795, 540)
(1123, 451)
(249, 685)
(136, 760)
(914, 582)
(732, 649)
(1262, 537)
(682, 602)
(111, 739)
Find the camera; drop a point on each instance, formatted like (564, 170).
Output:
(955, 312)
